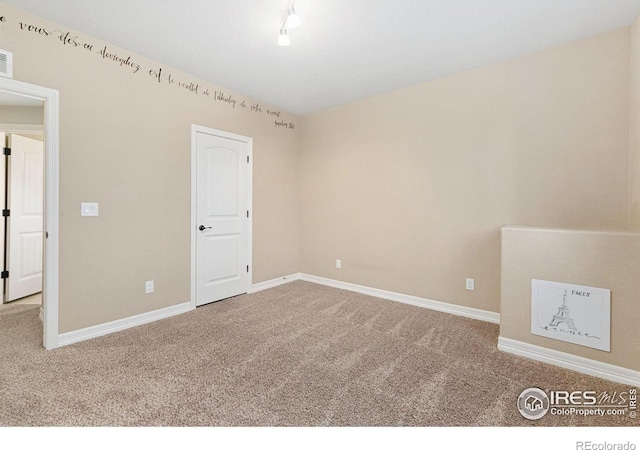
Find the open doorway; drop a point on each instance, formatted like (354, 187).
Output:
(39, 246)
(21, 198)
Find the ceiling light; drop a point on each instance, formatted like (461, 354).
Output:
(292, 18)
(289, 20)
(284, 40)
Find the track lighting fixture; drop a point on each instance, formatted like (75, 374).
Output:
(293, 20)
(284, 40)
(290, 20)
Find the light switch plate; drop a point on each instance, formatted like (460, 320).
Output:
(88, 209)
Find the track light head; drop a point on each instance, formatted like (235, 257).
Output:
(292, 18)
(283, 39)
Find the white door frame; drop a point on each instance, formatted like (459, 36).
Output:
(194, 130)
(51, 201)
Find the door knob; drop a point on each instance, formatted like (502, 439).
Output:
(202, 228)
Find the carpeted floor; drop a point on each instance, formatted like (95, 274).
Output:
(296, 355)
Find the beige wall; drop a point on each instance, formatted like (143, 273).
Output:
(634, 127)
(598, 259)
(410, 189)
(23, 115)
(125, 143)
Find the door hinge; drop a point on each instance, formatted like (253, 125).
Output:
(247, 213)
(247, 268)
(6, 151)
(4, 274)
(247, 158)
(6, 212)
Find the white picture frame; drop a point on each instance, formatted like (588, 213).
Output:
(571, 313)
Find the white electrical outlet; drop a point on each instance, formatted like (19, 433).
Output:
(471, 284)
(148, 287)
(338, 264)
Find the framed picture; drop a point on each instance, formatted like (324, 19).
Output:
(571, 313)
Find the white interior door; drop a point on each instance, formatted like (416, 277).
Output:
(222, 210)
(26, 189)
(3, 143)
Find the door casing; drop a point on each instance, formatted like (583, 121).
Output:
(50, 97)
(194, 130)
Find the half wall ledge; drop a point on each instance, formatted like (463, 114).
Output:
(604, 260)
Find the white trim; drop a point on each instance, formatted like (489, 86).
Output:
(249, 141)
(51, 199)
(273, 283)
(568, 361)
(21, 128)
(524, 228)
(122, 324)
(194, 186)
(465, 311)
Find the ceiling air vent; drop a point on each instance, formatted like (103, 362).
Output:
(6, 64)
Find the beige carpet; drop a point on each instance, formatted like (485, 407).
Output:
(296, 355)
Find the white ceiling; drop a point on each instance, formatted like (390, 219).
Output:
(344, 49)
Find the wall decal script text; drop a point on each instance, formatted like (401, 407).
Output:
(158, 74)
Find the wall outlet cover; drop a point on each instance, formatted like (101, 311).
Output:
(470, 284)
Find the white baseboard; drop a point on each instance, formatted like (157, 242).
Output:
(273, 283)
(554, 357)
(568, 361)
(122, 324)
(465, 311)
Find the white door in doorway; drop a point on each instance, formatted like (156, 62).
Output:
(5, 143)
(26, 189)
(222, 215)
